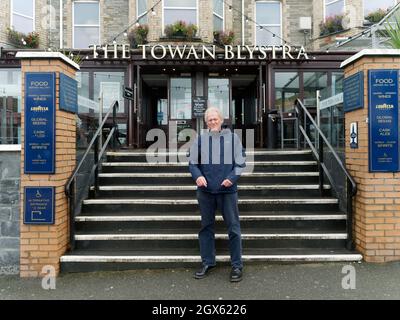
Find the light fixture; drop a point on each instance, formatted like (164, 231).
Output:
(125, 34)
(153, 12)
(261, 27)
(247, 20)
(114, 42)
(230, 8)
(137, 24)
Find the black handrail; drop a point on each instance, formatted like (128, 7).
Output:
(70, 185)
(351, 187)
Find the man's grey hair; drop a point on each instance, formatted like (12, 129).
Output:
(210, 109)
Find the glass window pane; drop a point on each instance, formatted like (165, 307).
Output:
(334, 9)
(171, 16)
(24, 7)
(142, 6)
(181, 98)
(10, 106)
(286, 90)
(219, 7)
(268, 13)
(22, 24)
(111, 85)
(313, 81)
(143, 20)
(218, 23)
(374, 5)
(86, 13)
(180, 3)
(218, 95)
(85, 36)
(263, 37)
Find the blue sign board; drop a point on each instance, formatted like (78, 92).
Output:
(68, 94)
(353, 92)
(40, 107)
(39, 205)
(383, 120)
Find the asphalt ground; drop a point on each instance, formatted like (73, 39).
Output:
(312, 281)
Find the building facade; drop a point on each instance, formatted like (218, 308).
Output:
(167, 72)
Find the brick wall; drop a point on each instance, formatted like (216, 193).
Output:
(9, 211)
(377, 204)
(44, 244)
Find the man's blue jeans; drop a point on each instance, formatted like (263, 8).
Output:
(227, 203)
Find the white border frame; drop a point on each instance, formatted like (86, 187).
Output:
(223, 16)
(84, 25)
(163, 7)
(268, 25)
(22, 15)
(334, 1)
(363, 2)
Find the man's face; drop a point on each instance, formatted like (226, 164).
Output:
(214, 122)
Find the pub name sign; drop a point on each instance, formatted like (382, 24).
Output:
(159, 52)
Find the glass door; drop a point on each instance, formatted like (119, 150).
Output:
(219, 96)
(180, 103)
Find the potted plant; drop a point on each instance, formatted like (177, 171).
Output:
(180, 30)
(376, 16)
(138, 35)
(331, 25)
(224, 38)
(19, 39)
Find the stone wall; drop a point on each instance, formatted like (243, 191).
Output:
(9, 211)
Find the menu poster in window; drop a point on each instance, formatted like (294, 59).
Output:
(111, 91)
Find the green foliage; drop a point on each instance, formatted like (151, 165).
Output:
(331, 25)
(22, 40)
(224, 38)
(180, 29)
(77, 58)
(376, 16)
(138, 35)
(393, 32)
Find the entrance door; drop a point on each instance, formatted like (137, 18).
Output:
(244, 105)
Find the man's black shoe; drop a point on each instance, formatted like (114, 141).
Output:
(202, 272)
(236, 275)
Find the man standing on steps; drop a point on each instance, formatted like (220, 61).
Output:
(216, 160)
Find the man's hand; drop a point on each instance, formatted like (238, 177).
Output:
(226, 183)
(201, 182)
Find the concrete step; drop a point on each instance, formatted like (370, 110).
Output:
(179, 178)
(91, 260)
(166, 205)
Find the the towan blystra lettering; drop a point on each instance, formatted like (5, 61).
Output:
(201, 52)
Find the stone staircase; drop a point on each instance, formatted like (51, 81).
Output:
(146, 215)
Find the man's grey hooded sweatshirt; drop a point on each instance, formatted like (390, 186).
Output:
(217, 155)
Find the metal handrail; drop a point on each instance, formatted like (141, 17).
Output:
(70, 185)
(319, 154)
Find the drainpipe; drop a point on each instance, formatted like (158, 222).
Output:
(61, 24)
(242, 22)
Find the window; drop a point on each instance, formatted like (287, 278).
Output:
(141, 9)
(268, 16)
(374, 5)
(334, 8)
(287, 90)
(185, 10)
(181, 98)
(86, 23)
(23, 15)
(218, 95)
(10, 106)
(218, 15)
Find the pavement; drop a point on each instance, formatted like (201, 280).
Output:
(319, 281)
